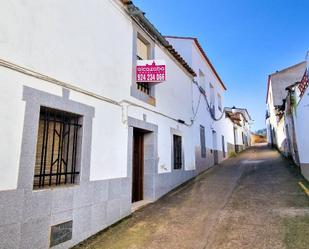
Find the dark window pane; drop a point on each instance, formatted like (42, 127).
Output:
(177, 148)
(203, 142)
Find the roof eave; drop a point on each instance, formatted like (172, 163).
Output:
(140, 18)
(203, 54)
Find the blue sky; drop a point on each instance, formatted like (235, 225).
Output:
(245, 39)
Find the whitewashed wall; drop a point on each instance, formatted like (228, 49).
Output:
(81, 47)
(272, 121)
(229, 130)
(301, 129)
(173, 98)
(188, 49)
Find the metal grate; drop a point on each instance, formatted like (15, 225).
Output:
(143, 86)
(177, 152)
(57, 146)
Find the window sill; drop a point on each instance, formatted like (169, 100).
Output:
(140, 95)
(36, 189)
(151, 101)
(178, 169)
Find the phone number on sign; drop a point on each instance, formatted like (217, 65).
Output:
(151, 77)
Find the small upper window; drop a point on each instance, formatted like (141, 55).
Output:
(57, 146)
(212, 94)
(142, 53)
(219, 102)
(202, 79)
(142, 49)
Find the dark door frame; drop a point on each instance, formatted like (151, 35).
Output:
(138, 165)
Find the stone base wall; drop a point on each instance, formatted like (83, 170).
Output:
(230, 148)
(27, 216)
(165, 182)
(221, 156)
(202, 164)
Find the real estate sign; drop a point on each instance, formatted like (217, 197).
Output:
(150, 71)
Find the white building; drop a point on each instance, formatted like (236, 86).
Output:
(276, 95)
(301, 117)
(287, 103)
(208, 102)
(237, 123)
(81, 139)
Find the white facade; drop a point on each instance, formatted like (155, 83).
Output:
(301, 129)
(276, 93)
(286, 121)
(68, 57)
(237, 127)
(214, 90)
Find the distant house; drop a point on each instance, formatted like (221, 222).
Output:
(297, 117)
(237, 127)
(288, 114)
(275, 99)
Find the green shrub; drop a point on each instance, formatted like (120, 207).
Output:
(232, 154)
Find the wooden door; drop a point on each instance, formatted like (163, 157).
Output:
(138, 166)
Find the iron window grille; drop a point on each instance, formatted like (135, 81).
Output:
(57, 148)
(177, 144)
(143, 86)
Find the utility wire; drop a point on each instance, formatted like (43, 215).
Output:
(43, 77)
(208, 106)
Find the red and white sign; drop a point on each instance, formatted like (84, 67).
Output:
(150, 71)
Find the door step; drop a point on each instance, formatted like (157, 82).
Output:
(139, 204)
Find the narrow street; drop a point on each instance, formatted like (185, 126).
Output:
(251, 201)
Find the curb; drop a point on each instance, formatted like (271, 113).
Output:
(304, 188)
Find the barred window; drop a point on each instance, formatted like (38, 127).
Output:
(203, 142)
(144, 87)
(143, 53)
(57, 147)
(177, 151)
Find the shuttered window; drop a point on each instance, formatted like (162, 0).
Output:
(142, 54)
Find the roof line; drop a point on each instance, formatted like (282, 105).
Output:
(268, 83)
(239, 108)
(136, 14)
(281, 71)
(203, 53)
(286, 69)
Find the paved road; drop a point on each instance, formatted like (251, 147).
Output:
(251, 201)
